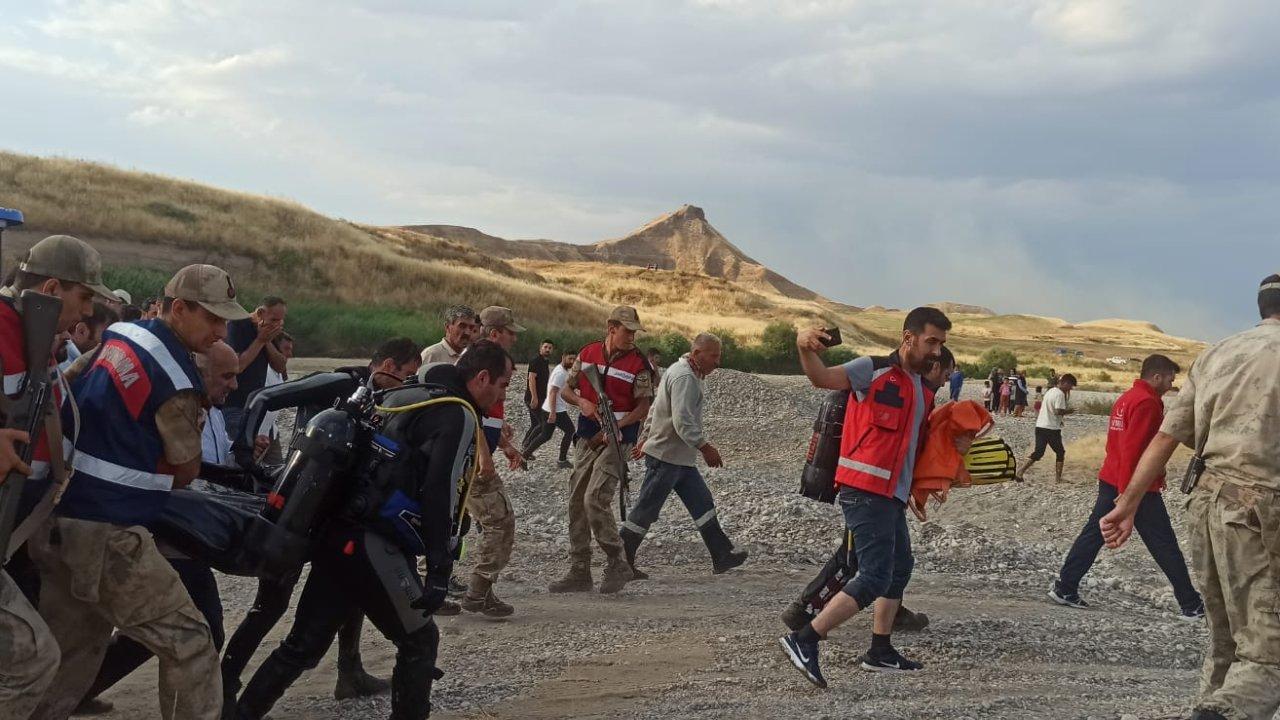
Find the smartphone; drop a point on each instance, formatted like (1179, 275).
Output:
(835, 337)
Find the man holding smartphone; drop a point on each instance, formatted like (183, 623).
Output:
(883, 429)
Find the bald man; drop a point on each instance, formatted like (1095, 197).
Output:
(672, 442)
(219, 367)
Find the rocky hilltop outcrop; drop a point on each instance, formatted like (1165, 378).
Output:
(682, 241)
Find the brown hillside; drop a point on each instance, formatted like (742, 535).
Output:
(682, 241)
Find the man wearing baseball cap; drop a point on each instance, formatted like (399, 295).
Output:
(141, 401)
(70, 270)
(488, 502)
(628, 382)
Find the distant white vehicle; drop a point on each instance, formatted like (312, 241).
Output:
(1117, 360)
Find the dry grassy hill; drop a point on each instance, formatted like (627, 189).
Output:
(365, 281)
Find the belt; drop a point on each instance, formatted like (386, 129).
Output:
(1247, 495)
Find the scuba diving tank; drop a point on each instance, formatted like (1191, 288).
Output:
(818, 479)
(305, 493)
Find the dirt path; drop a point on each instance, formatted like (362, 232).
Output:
(687, 644)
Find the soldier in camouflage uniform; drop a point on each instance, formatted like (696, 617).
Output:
(593, 482)
(1230, 406)
(140, 402)
(70, 270)
(488, 503)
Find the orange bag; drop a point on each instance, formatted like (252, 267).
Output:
(940, 466)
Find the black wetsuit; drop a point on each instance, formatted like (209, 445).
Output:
(309, 395)
(360, 564)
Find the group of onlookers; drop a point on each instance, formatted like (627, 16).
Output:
(1007, 393)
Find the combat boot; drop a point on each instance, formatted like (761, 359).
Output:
(578, 579)
(616, 576)
(1057, 471)
(630, 543)
(723, 557)
(480, 599)
(354, 682)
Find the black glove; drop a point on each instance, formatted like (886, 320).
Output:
(435, 590)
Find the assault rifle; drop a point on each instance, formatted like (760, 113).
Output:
(613, 436)
(27, 411)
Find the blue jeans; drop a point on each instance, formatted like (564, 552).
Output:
(660, 478)
(882, 544)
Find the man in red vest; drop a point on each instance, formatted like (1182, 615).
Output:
(1135, 420)
(71, 270)
(884, 432)
(628, 382)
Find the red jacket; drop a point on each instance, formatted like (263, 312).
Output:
(1135, 419)
(877, 429)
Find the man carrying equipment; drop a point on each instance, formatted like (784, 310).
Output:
(403, 507)
(673, 440)
(1134, 421)
(843, 563)
(628, 383)
(69, 270)
(882, 432)
(393, 362)
(218, 368)
(1228, 409)
(99, 567)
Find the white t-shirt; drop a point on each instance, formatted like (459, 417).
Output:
(1054, 400)
(559, 376)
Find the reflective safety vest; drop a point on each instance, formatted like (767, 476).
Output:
(877, 429)
(619, 377)
(121, 475)
(13, 366)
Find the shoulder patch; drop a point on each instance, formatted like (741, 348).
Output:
(132, 383)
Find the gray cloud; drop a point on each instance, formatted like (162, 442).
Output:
(1081, 158)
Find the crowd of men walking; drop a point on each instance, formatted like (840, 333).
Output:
(190, 385)
(151, 405)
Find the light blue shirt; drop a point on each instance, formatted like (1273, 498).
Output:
(861, 372)
(215, 444)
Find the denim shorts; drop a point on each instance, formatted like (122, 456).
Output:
(881, 544)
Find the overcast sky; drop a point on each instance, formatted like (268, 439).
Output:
(1077, 158)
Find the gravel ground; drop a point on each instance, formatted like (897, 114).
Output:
(689, 644)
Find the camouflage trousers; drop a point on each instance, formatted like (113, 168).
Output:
(490, 508)
(593, 487)
(97, 576)
(1235, 541)
(28, 653)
